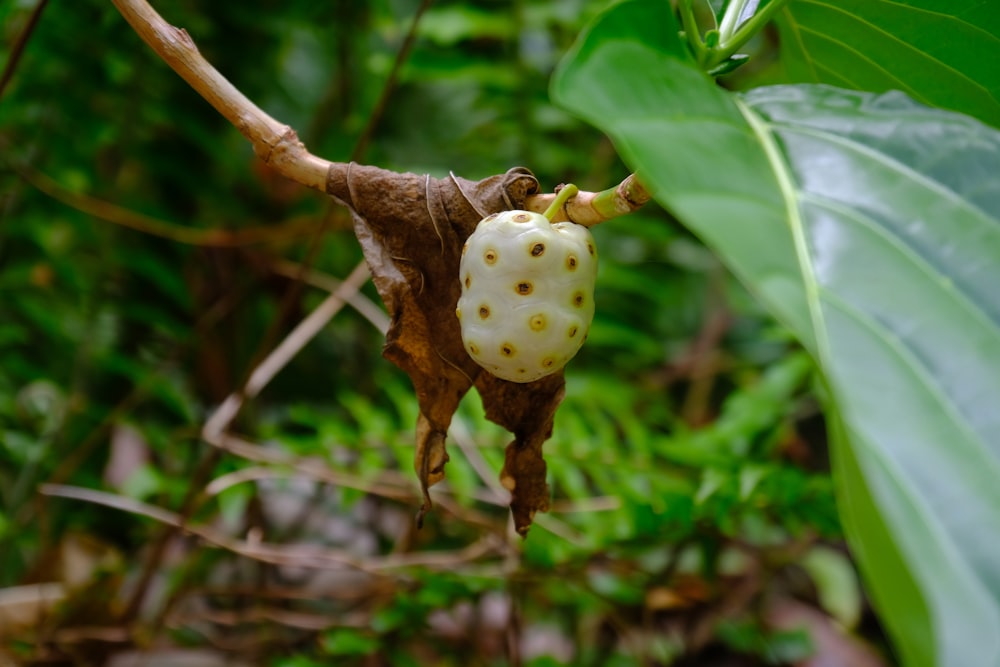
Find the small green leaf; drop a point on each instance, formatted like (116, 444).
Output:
(750, 477)
(346, 641)
(143, 482)
(729, 65)
(836, 583)
(712, 480)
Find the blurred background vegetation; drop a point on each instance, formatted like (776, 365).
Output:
(148, 261)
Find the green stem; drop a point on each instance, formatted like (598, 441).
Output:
(730, 42)
(627, 196)
(563, 196)
(691, 32)
(729, 22)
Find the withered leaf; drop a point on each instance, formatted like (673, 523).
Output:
(412, 228)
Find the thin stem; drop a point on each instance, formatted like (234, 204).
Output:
(273, 142)
(731, 44)
(22, 41)
(277, 144)
(691, 32)
(281, 554)
(212, 237)
(390, 83)
(280, 356)
(731, 18)
(592, 208)
(563, 196)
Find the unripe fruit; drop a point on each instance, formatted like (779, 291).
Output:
(527, 294)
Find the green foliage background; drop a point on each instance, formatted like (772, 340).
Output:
(692, 495)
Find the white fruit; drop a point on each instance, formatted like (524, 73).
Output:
(527, 294)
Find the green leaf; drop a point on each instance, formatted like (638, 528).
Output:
(634, 71)
(348, 641)
(940, 53)
(144, 482)
(836, 584)
(888, 578)
(869, 225)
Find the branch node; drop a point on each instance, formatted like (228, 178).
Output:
(184, 38)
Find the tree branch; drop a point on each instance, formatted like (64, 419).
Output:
(275, 143)
(14, 59)
(281, 554)
(217, 237)
(279, 146)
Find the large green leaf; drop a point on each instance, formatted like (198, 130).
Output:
(868, 224)
(941, 53)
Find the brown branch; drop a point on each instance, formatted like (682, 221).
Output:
(14, 59)
(390, 83)
(389, 484)
(275, 143)
(361, 303)
(279, 554)
(279, 146)
(264, 614)
(119, 215)
(280, 356)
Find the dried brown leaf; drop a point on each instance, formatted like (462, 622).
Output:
(412, 228)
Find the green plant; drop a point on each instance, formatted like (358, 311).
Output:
(868, 223)
(257, 498)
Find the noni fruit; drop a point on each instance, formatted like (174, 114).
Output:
(527, 294)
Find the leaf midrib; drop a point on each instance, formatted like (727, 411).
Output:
(787, 190)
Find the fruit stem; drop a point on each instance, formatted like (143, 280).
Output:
(564, 195)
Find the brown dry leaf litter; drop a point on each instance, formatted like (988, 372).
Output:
(412, 228)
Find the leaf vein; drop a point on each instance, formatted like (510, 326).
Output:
(893, 164)
(921, 373)
(923, 264)
(898, 40)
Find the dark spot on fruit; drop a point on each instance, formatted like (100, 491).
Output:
(484, 311)
(458, 313)
(507, 350)
(537, 250)
(571, 262)
(572, 331)
(521, 217)
(468, 281)
(524, 288)
(548, 362)
(590, 247)
(578, 299)
(473, 348)
(537, 322)
(490, 256)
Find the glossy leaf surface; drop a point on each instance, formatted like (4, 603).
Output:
(869, 225)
